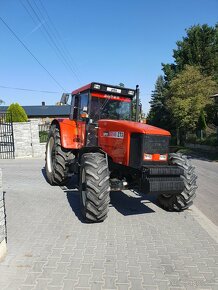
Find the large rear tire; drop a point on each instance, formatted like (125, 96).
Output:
(94, 187)
(183, 200)
(55, 159)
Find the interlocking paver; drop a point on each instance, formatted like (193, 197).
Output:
(31, 278)
(96, 285)
(61, 267)
(109, 282)
(122, 278)
(69, 284)
(97, 275)
(50, 248)
(83, 281)
(72, 274)
(123, 286)
(41, 284)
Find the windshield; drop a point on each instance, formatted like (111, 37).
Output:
(110, 107)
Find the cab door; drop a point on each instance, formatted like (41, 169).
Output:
(83, 101)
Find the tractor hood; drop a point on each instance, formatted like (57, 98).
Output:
(131, 127)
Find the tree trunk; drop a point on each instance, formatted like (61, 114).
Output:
(177, 137)
(201, 134)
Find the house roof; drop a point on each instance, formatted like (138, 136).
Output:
(43, 111)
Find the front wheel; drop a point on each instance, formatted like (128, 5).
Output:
(184, 200)
(94, 187)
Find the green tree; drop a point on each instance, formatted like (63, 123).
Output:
(159, 115)
(199, 47)
(17, 112)
(189, 93)
(1, 102)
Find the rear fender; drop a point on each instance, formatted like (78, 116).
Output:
(68, 133)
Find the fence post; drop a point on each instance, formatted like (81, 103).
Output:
(3, 247)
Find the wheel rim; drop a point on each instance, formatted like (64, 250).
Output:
(50, 154)
(167, 195)
(83, 189)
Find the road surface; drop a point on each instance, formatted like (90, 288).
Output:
(207, 193)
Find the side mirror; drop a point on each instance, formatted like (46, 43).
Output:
(64, 98)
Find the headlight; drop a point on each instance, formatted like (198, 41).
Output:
(147, 156)
(97, 86)
(131, 93)
(163, 157)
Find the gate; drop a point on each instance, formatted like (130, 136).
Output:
(6, 136)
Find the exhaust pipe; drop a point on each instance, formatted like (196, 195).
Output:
(137, 104)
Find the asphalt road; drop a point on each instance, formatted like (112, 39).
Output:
(207, 194)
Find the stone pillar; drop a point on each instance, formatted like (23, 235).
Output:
(3, 248)
(26, 139)
(22, 139)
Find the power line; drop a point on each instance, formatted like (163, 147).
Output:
(52, 42)
(24, 45)
(48, 35)
(29, 90)
(59, 38)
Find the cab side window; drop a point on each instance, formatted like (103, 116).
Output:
(76, 107)
(84, 99)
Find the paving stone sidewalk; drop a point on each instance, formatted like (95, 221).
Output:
(139, 246)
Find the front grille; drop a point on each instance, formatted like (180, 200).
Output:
(155, 144)
(150, 144)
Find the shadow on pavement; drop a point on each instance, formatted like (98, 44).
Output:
(123, 203)
(73, 197)
(44, 174)
(129, 205)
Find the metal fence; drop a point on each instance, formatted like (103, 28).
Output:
(43, 132)
(6, 136)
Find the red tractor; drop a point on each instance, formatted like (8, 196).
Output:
(109, 152)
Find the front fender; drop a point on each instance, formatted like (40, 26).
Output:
(68, 133)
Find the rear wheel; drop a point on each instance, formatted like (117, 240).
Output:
(94, 187)
(183, 200)
(56, 156)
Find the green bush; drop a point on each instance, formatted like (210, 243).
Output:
(210, 140)
(17, 112)
(191, 138)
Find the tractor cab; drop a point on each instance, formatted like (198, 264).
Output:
(97, 101)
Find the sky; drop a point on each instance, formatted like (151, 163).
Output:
(69, 43)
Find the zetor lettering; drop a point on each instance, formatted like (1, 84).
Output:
(109, 151)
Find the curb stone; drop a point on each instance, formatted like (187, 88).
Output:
(3, 247)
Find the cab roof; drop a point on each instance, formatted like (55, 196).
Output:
(110, 89)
